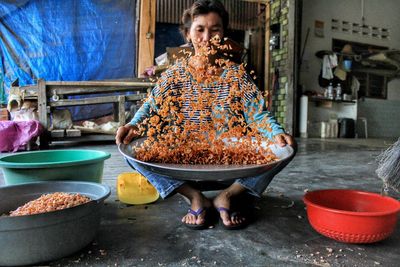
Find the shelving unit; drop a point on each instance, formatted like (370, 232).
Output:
(323, 99)
(315, 110)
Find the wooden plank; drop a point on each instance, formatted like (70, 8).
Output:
(147, 26)
(103, 83)
(42, 112)
(258, 50)
(42, 103)
(121, 110)
(90, 87)
(91, 90)
(267, 55)
(95, 87)
(73, 132)
(258, 1)
(57, 133)
(85, 130)
(291, 96)
(93, 100)
(137, 83)
(135, 97)
(115, 111)
(84, 138)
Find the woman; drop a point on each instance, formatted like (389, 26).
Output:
(205, 20)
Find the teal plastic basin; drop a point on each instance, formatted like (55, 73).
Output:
(78, 165)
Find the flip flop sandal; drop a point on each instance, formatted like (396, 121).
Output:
(197, 213)
(232, 214)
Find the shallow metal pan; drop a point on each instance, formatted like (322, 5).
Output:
(208, 172)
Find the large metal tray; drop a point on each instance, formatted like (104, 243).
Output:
(208, 172)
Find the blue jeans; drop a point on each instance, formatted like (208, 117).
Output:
(166, 185)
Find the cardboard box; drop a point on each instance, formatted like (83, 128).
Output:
(4, 116)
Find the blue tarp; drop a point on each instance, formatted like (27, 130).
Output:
(67, 40)
(167, 35)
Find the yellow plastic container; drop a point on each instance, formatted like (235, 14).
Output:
(133, 188)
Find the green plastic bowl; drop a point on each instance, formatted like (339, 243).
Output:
(78, 165)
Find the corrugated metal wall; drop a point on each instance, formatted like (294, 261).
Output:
(242, 15)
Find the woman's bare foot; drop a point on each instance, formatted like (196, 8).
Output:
(198, 208)
(222, 203)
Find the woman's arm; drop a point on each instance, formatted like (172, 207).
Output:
(125, 134)
(258, 117)
(144, 111)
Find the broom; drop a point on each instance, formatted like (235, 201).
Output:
(389, 168)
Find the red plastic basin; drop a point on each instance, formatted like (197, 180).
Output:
(352, 216)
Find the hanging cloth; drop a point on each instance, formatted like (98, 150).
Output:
(333, 60)
(326, 68)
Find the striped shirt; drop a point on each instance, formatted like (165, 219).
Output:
(233, 94)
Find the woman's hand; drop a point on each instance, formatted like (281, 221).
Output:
(126, 133)
(284, 139)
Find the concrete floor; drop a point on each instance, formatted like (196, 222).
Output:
(152, 235)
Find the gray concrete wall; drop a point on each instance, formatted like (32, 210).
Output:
(382, 116)
(384, 14)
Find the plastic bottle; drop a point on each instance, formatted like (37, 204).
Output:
(339, 92)
(330, 91)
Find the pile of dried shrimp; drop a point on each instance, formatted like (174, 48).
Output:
(50, 202)
(194, 126)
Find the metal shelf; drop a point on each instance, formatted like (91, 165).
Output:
(323, 99)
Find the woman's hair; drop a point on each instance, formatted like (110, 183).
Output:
(203, 7)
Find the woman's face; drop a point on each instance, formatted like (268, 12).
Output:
(203, 28)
